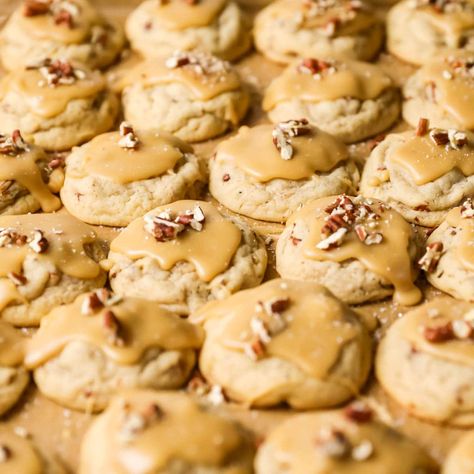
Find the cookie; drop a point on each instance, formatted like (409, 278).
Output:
(442, 92)
(419, 31)
(175, 256)
(296, 163)
(56, 105)
(192, 95)
(18, 454)
(360, 249)
(86, 351)
(68, 30)
(459, 459)
(348, 99)
(427, 352)
(423, 173)
(14, 377)
(157, 29)
(28, 177)
(119, 176)
(284, 342)
(48, 260)
(449, 258)
(170, 432)
(340, 441)
(288, 29)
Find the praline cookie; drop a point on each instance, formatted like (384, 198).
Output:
(86, 351)
(288, 29)
(284, 342)
(360, 249)
(460, 458)
(14, 377)
(18, 454)
(423, 173)
(442, 91)
(449, 258)
(185, 254)
(47, 260)
(157, 29)
(420, 30)
(169, 432)
(56, 104)
(341, 441)
(267, 172)
(430, 352)
(69, 30)
(28, 177)
(193, 95)
(349, 99)
(119, 176)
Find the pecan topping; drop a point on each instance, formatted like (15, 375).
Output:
(423, 127)
(285, 131)
(457, 329)
(11, 237)
(91, 303)
(137, 421)
(199, 63)
(359, 412)
(57, 72)
(63, 12)
(226, 177)
(36, 7)
(165, 227)
(5, 453)
(17, 278)
(439, 333)
(113, 328)
(129, 139)
(430, 259)
(13, 145)
(334, 444)
(39, 243)
(467, 209)
(317, 67)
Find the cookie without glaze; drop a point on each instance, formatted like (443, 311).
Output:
(68, 30)
(460, 459)
(429, 352)
(214, 26)
(288, 29)
(348, 99)
(284, 342)
(175, 256)
(259, 183)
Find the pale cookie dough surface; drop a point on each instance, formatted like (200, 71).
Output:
(308, 443)
(450, 275)
(102, 201)
(80, 121)
(348, 119)
(271, 378)
(431, 380)
(414, 37)
(460, 459)
(390, 182)
(20, 47)
(279, 36)
(227, 36)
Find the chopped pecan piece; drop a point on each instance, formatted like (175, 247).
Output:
(359, 412)
(36, 7)
(5, 453)
(39, 243)
(439, 333)
(13, 145)
(113, 328)
(17, 279)
(467, 209)
(430, 259)
(422, 127)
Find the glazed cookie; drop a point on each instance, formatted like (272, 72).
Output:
(288, 29)
(19, 455)
(28, 177)
(460, 459)
(423, 173)
(284, 342)
(185, 254)
(13, 376)
(351, 100)
(119, 176)
(69, 30)
(47, 260)
(193, 95)
(170, 433)
(56, 105)
(430, 352)
(420, 30)
(157, 29)
(442, 91)
(449, 258)
(292, 164)
(360, 249)
(85, 352)
(338, 442)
